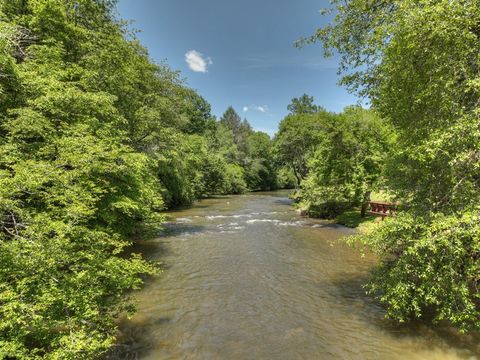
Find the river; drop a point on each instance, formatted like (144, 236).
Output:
(246, 278)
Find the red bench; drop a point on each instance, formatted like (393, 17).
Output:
(382, 209)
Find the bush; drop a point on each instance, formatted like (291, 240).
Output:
(327, 201)
(234, 180)
(286, 179)
(430, 267)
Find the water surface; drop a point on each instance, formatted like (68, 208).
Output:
(247, 278)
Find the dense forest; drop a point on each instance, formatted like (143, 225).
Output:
(97, 140)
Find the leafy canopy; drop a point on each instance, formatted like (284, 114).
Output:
(417, 62)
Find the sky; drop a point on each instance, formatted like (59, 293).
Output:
(241, 53)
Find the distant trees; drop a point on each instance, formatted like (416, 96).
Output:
(249, 149)
(303, 105)
(261, 171)
(418, 63)
(241, 130)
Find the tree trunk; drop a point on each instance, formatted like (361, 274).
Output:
(297, 176)
(366, 199)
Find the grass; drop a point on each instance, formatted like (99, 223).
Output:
(352, 219)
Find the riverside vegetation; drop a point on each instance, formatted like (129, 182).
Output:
(418, 64)
(96, 140)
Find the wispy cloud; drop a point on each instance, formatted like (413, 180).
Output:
(197, 62)
(260, 108)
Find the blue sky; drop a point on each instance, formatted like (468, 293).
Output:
(241, 53)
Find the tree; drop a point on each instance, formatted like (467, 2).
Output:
(297, 140)
(198, 112)
(261, 173)
(418, 63)
(303, 105)
(347, 163)
(231, 120)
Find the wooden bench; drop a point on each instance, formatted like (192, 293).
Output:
(383, 209)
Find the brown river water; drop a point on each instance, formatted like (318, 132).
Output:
(245, 277)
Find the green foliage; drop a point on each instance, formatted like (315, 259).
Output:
(71, 189)
(346, 164)
(231, 120)
(181, 167)
(261, 173)
(236, 142)
(297, 139)
(430, 267)
(223, 143)
(234, 180)
(286, 178)
(303, 105)
(353, 219)
(198, 112)
(418, 63)
(337, 159)
(241, 131)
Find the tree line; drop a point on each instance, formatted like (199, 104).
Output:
(337, 159)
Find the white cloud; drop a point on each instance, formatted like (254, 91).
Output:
(197, 62)
(260, 108)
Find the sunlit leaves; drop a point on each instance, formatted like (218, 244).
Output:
(418, 63)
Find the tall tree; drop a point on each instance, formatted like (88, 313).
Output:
(347, 163)
(297, 139)
(303, 105)
(231, 120)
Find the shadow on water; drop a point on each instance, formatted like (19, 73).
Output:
(352, 292)
(135, 340)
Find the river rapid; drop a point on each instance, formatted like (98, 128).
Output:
(245, 277)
